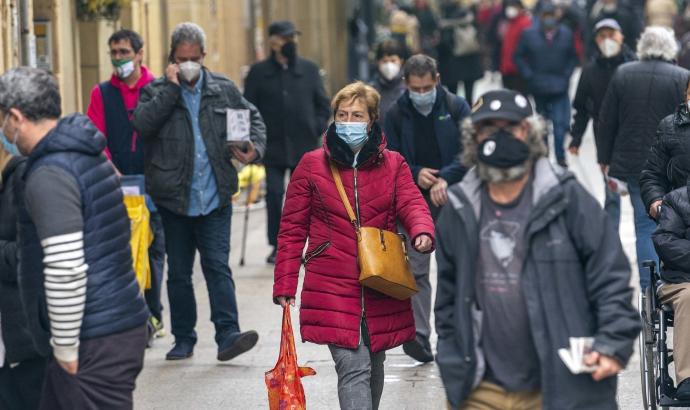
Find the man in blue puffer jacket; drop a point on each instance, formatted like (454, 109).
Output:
(78, 289)
(546, 58)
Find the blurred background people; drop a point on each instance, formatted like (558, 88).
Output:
(505, 33)
(639, 95)
(388, 80)
(288, 91)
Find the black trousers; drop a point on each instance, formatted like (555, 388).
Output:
(108, 369)
(275, 192)
(20, 386)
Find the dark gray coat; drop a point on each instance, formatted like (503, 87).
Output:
(162, 120)
(576, 282)
(294, 105)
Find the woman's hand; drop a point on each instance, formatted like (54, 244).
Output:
(423, 243)
(284, 300)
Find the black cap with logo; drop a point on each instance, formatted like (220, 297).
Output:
(501, 105)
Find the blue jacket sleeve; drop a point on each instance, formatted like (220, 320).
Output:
(393, 139)
(520, 58)
(455, 171)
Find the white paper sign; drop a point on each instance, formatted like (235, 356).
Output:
(238, 125)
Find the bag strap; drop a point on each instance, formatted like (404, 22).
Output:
(343, 195)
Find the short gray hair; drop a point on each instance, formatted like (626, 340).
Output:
(657, 42)
(420, 65)
(32, 91)
(187, 32)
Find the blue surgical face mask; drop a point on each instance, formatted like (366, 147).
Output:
(353, 133)
(423, 102)
(10, 147)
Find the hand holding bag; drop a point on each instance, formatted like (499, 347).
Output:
(381, 254)
(285, 389)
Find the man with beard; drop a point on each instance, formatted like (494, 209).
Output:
(289, 94)
(526, 260)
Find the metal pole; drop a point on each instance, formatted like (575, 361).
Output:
(246, 214)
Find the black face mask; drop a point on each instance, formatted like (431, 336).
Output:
(289, 51)
(503, 150)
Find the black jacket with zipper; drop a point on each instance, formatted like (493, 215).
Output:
(162, 120)
(591, 89)
(672, 236)
(668, 162)
(15, 332)
(576, 282)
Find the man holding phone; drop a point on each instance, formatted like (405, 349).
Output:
(182, 118)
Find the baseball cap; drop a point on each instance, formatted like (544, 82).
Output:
(607, 23)
(501, 105)
(282, 28)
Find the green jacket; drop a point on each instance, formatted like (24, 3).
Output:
(162, 120)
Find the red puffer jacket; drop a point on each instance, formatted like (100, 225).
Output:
(332, 300)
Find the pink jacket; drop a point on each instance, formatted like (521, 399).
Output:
(130, 96)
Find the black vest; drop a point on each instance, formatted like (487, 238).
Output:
(127, 154)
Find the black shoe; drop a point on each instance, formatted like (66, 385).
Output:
(683, 390)
(562, 163)
(419, 349)
(236, 344)
(271, 259)
(181, 350)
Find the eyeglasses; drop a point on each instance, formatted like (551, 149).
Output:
(120, 52)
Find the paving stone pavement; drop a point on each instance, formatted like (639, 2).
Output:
(205, 384)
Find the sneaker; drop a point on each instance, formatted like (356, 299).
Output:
(236, 344)
(159, 330)
(419, 349)
(271, 259)
(562, 163)
(683, 390)
(182, 350)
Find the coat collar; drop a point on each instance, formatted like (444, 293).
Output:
(275, 68)
(337, 150)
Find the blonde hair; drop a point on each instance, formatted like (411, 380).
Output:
(358, 90)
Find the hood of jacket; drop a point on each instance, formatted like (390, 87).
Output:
(73, 133)
(337, 150)
(682, 115)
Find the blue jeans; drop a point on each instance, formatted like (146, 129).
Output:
(612, 205)
(644, 227)
(210, 235)
(557, 110)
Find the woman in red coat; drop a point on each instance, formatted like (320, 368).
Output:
(357, 324)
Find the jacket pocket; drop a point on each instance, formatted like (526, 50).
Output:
(219, 121)
(316, 251)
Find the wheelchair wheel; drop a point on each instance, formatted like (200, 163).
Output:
(647, 341)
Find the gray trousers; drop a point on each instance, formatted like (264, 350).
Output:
(420, 263)
(360, 376)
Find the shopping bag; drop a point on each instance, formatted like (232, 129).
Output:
(141, 238)
(285, 390)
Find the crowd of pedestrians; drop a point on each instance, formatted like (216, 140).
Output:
(527, 258)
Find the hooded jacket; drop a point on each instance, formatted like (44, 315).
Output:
(332, 301)
(576, 283)
(113, 300)
(668, 163)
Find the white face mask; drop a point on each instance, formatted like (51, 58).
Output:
(389, 70)
(512, 12)
(609, 48)
(190, 71)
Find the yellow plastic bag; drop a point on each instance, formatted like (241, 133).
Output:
(142, 237)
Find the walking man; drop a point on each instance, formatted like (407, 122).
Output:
(594, 81)
(182, 118)
(111, 107)
(77, 286)
(546, 58)
(288, 91)
(639, 96)
(423, 126)
(527, 259)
